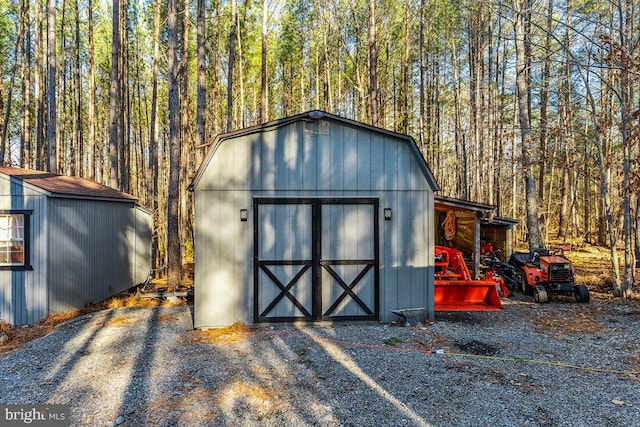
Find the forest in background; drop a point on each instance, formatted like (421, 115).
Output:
(528, 105)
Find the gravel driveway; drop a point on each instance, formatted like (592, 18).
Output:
(558, 364)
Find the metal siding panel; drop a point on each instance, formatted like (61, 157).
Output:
(244, 257)
(24, 293)
(416, 242)
(37, 278)
(403, 249)
(6, 312)
(336, 158)
(417, 180)
(241, 161)
(390, 165)
(310, 162)
(377, 163)
(90, 248)
(429, 247)
(365, 166)
(140, 254)
(323, 161)
(294, 158)
(19, 299)
(221, 259)
(389, 273)
(5, 191)
(268, 161)
(281, 164)
(405, 160)
(206, 252)
(350, 158)
(221, 175)
(255, 163)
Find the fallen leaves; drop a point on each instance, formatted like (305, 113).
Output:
(580, 320)
(234, 333)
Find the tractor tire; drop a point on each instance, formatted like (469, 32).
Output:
(524, 285)
(581, 292)
(540, 295)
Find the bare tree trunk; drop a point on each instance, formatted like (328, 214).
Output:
(186, 163)
(404, 84)
(373, 65)
(263, 76)
(202, 79)
(232, 55)
(91, 120)
(533, 226)
(115, 99)
(38, 87)
(328, 97)
(626, 101)
(173, 195)
(153, 141)
(544, 103)
(637, 232)
(25, 134)
(241, 119)
(78, 140)
(423, 69)
(604, 188)
(4, 159)
(52, 153)
(63, 117)
(124, 126)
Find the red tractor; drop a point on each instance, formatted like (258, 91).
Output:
(546, 273)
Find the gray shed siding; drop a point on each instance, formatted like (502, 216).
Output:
(93, 253)
(81, 250)
(24, 295)
(310, 159)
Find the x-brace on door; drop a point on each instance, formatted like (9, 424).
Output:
(316, 259)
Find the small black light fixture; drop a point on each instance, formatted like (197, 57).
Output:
(387, 214)
(244, 215)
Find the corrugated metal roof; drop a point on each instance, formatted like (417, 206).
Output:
(65, 186)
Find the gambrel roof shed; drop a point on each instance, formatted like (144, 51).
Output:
(64, 242)
(313, 217)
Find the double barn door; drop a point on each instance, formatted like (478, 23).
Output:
(315, 259)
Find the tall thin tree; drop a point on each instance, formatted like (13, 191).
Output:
(373, 65)
(115, 98)
(52, 152)
(173, 196)
(91, 119)
(153, 138)
(201, 104)
(232, 56)
(522, 10)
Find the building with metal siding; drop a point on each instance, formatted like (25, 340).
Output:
(313, 217)
(80, 242)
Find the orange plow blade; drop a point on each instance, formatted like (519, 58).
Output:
(466, 295)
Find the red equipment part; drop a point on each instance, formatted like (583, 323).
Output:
(454, 289)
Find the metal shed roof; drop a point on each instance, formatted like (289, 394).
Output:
(309, 116)
(65, 186)
(463, 204)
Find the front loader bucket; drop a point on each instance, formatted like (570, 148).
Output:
(466, 295)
